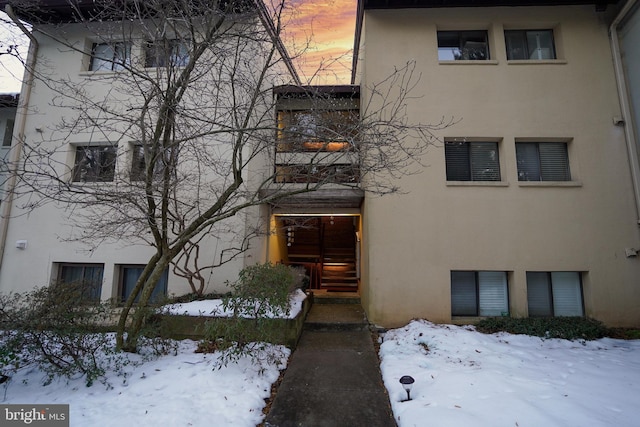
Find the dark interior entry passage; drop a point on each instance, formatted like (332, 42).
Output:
(326, 247)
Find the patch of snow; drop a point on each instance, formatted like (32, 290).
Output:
(214, 308)
(182, 390)
(466, 378)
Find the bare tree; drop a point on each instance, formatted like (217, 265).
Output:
(188, 102)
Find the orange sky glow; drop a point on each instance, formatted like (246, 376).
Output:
(319, 37)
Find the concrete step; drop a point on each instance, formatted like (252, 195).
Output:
(336, 298)
(336, 317)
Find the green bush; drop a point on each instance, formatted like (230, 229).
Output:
(56, 330)
(570, 328)
(261, 292)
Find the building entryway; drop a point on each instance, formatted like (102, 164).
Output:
(326, 246)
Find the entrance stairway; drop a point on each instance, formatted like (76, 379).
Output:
(339, 269)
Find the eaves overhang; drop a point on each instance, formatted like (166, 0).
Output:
(319, 199)
(68, 11)
(404, 4)
(310, 91)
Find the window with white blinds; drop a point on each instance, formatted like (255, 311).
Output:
(542, 161)
(557, 293)
(472, 161)
(479, 293)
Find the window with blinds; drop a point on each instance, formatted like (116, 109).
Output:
(542, 161)
(479, 293)
(472, 161)
(129, 275)
(530, 44)
(88, 277)
(557, 293)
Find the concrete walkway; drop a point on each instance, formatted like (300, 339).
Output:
(333, 378)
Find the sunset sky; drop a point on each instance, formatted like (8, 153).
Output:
(317, 33)
(330, 27)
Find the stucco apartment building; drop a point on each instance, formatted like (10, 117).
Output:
(528, 203)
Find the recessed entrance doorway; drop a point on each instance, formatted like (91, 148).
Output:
(327, 246)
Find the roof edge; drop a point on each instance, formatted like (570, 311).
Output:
(600, 5)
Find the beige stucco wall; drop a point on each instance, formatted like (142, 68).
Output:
(48, 228)
(414, 241)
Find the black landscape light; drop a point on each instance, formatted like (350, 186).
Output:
(407, 382)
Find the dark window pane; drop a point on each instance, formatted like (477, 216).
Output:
(464, 299)
(129, 278)
(516, 45)
(88, 277)
(138, 164)
(164, 53)
(300, 174)
(472, 161)
(528, 161)
(317, 130)
(529, 44)
(8, 133)
(539, 294)
(457, 161)
(462, 45)
(95, 164)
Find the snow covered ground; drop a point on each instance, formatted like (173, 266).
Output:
(465, 378)
(462, 378)
(181, 390)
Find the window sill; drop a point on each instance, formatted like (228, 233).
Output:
(550, 183)
(536, 61)
(99, 73)
(469, 62)
(477, 183)
(470, 320)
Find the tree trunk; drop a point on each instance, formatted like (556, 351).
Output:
(144, 287)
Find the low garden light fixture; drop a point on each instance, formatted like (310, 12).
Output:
(407, 382)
